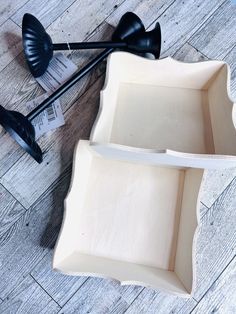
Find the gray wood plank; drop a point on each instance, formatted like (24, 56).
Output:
(221, 297)
(218, 35)
(58, 148)
(89, 15)
(46, 11)
(35, 234)
(230, 59)
(28, 297)
(60, 287)
(10, 38)
(10, 211)
(181, 20)
(215, 181)
(149, 302)
(187, 53)
(9, 7)
(148, 10)
(216, 244)
(101, 296)
(17, 88)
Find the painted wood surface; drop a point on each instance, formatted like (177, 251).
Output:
(16, 90)
(182, 20)
(32, 234)
(46, 11)
(11, 211)
(9, 7)
(10, 37)
(221, 296)
(219, 28)
(217, 240)
(58, 150)
(28, 297)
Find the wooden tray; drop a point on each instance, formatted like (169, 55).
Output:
(178, 113)
(130, 221)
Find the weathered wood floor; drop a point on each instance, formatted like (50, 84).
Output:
(31, 195)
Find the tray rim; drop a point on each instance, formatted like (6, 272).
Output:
(228, 160)
(128, 282)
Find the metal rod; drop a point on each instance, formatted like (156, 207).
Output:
(63, 88)
(89, 45)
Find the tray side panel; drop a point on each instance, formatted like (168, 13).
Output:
(130, 213)
(221, 112)
(187, 227)
(157, 117)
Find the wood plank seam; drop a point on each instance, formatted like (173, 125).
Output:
(12, 164)
(76, 291)
(205, 22)
(156, 20)
(230, 51)
(199, 25)
(114, 8)
(51, 22)
(204, 206)
(134, 300)
(15, 12)
(13, 196)
(187, 42)
(44, 290)
(225, 268)
(216, 198)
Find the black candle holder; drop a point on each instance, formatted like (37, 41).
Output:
(129, 35)
(19, 126)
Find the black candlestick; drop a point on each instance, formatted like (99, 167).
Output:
(20, 126)
(129, 35)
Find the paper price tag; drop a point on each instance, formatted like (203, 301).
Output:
(51, 118)
(59, 70)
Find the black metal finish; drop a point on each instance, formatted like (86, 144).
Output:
(38, 50)
(37, 45)
(21, 129)
(63, 88)
(129, 35)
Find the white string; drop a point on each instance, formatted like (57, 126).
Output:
(70, 51)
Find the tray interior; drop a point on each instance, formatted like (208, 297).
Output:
(130, 216)
(166, 104)
(161, 117)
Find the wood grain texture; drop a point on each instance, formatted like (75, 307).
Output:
(182, 19)
(216, 244)
(71, 27)
(188, 53)
(148, 10)
(35, 233)
(101, 296)
(60, 287)
(9, 7)
(217, 37)
(150, 302)
(214, 183)
(221, 297)
(17, 88)
(10, 211)
(230, 59)
(28, 297)
(10, 38)
(58, 151)
(46, 11)
(27, 245)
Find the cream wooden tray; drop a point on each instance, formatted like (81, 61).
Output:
(130, 221)
(176, 113)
